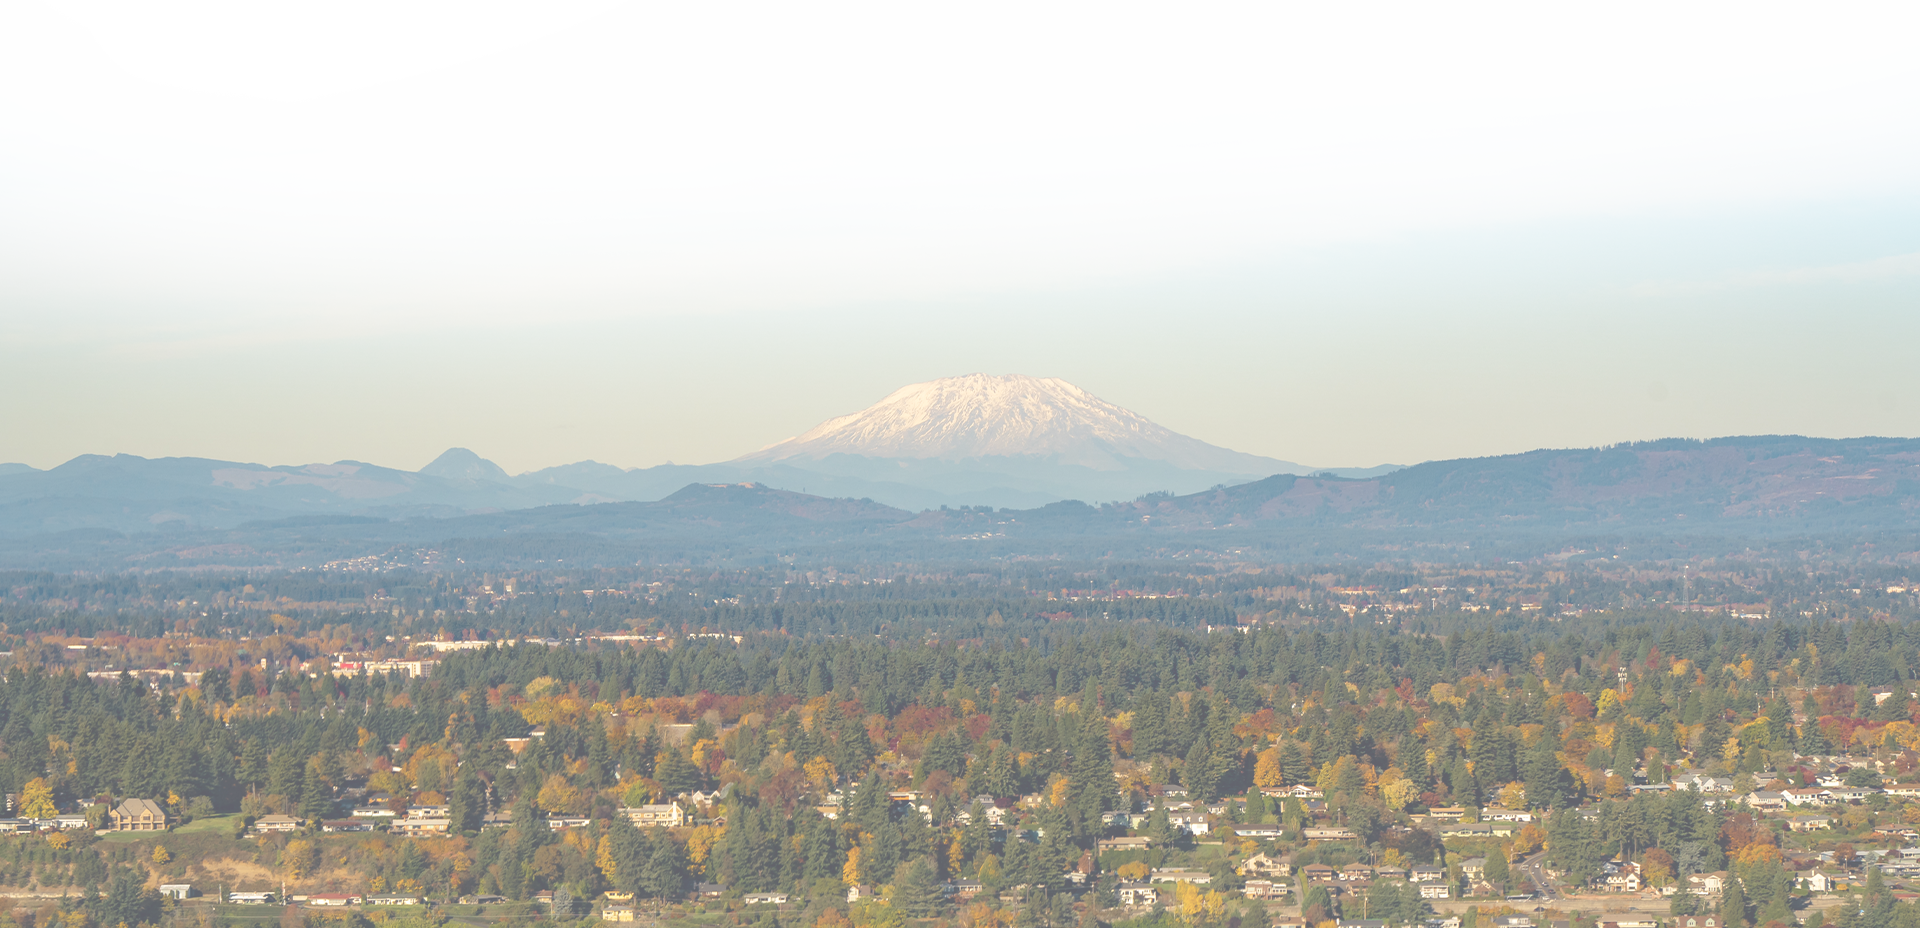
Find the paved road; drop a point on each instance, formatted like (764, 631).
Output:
(1535, 868)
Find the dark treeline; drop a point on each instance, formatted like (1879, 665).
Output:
(872, 598)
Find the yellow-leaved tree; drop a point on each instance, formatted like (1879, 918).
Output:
(604, 860)
(700, 842)
(850, 873)
(1397, 794)
(1513, 795)
(557, 795)
(1267, 771)
(821, 774)
(36, 799)
(299, 858)
(1197, 907)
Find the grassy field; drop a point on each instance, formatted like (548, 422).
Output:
(218, 824)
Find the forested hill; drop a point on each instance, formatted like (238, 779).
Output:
(1816, 483)
(1673, 498)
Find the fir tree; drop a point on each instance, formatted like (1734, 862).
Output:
(1498, 872)
(677, 774)
(1413, 763)
(467, 809)
(1294, 765)
(1733, 904)
(316, 797)
(1091, 789)
(914, 892)
(665, 874)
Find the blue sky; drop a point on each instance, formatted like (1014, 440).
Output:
(1346, 237)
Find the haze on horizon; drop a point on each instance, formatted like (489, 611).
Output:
(1336, 236)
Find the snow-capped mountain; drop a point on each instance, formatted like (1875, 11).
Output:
(982, 416)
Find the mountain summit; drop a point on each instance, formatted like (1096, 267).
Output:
(982, 416)
(461, 464)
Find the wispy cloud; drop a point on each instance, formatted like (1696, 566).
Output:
(1891, 267)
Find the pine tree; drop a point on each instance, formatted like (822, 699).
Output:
(1546, 779)
(677, 774)
(914, 892)
(1002, 779)
(630, 850)
(1499, 873)
(824, 856)
(1091, 790)
(1294, 765)
(1733, 904)
(1876, 886)
(1256, 812)
(1198, 772)
(1466, 790)
(1413, 763)
(853, 750)
(316, 796)
(1149, 726)
(665, 874)
(944, 752)
(467, 810)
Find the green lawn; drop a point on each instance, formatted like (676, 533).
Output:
(219, 824)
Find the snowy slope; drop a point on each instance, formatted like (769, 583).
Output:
(983, 416)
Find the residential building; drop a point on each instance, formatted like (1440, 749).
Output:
(393, 900)
(663, 815)
(138, 815)
(1138, 894)
(276, 823)
(1436, 891)
(1707, 884)
(177, 891)
(1196, 877)
(1622, 878)
(421, 826)
(764, 899)
(1264, 865)
(1328, 834)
